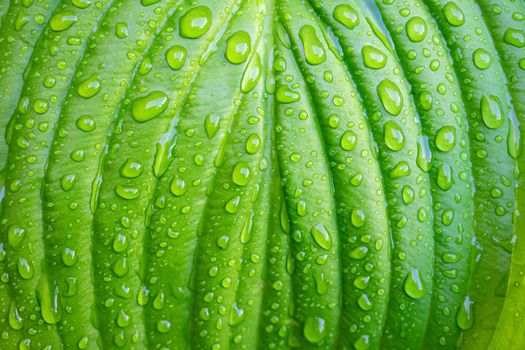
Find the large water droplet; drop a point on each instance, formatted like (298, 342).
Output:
(314, 51)
(446, 138)
(416, 28)
(89, 87)
(394, 137)
(321, 236)
(491, 111)
(238, 47)
(314, 329)
(390, 96)
(453, 14)
(373, 58)
(346, 15)
(62, 21)
(414, 286)
(150, 106)
(176, 57)
(465, 315)
(195, 22)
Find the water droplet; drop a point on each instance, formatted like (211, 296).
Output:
(120, 267)
(176, 57)
(126, 192)
(86, 123)
(24, 269)
(491, 111)
(364, 302)
(81, 4)
(159, 301)
(286, 95)
(314, 51)
(195, 22)
(414, 286)
(15, 235)
(253, 143)
(49, 301)
(15, 320)
(394, 137)
(348, 140)
(444, 177)
(131, 169)
(358, 253)
(178, 187)
(150, 106)
(401, 169)
(41, 106)
(390, 96)
(373, 58)
(465, 315)
(514, 37)
(408, 194)
(62, 21)
(121, 30)
(424, 154)
(236, 315)
(232, 206)
(358, 218)
(252, 74)
(321, 236)
(346, 15)
(362, 282)
(482, 59)
(416, 28)
(314, 329)
(453, 14)
(238, 47)
(446, 138)
(212, 124)
(69, 257)
(362, 343)
(163, 326)
(90, 87)
(241, 174)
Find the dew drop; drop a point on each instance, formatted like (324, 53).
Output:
(346, 15)
(314, 329)
(373, 58)
(416, 28)
(314, 51)
(390, 96)
(321, 236)
(414, 286)
(62, 21)
(195, 22)
(238, 47)
(176, 57)
(148, 107)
